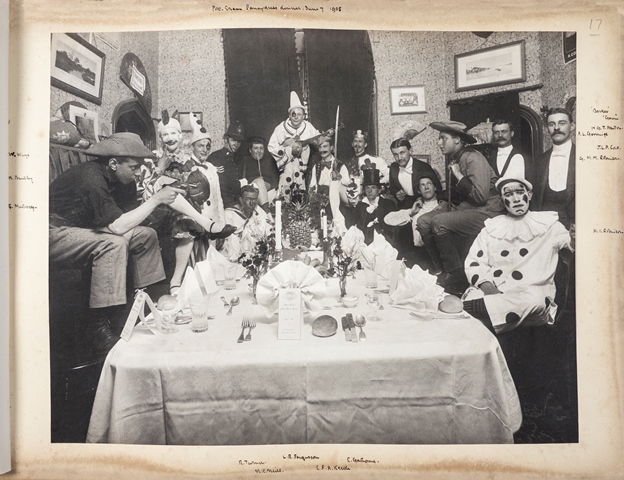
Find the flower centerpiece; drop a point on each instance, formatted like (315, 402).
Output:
(256, 261)
(343, 253)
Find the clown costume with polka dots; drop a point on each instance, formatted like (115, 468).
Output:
(511, 265)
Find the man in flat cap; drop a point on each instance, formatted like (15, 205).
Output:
(259, 168)
(511, 265)
(226, 165)
(95, 218)
(473, 180)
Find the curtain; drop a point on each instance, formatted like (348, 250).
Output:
(261, 70)
(341, 72)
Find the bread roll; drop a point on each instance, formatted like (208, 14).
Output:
(451, 304)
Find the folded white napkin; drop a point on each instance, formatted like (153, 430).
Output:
(197, 281)
(353, 242)
(418, 289)
(378, 255)
(291, 274)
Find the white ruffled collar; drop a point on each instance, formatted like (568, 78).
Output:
(526, 228)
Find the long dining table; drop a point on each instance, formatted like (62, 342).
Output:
(415, 380)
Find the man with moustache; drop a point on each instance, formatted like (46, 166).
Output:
(555, 169)
(363, 161)
(326, 170)
(224, 161)
(259, 168)
(511, 265)
(472, 178)
(504, 158)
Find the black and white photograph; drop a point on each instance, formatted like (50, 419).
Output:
(286, 245)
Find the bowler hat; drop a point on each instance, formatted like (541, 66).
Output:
(456, 128)
(122, 144)
(371, 177)
(236, 131)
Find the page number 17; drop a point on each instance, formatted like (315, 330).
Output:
(595, 23)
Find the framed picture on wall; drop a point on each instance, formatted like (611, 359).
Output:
(407, 100)
(86, 122)
(499, 65)
(77, 66)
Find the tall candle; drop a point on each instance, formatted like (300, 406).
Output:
(324, 223)
(278, 225)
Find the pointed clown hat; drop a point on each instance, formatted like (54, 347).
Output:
(199, 131)
(295, 102)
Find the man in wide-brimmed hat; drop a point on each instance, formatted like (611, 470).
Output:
(372, 209)
(226, 165)
(473, 180)
(95, 218)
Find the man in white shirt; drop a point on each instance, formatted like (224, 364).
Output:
(555, 169)
(321, 175)
(363, 161)
(504, 158)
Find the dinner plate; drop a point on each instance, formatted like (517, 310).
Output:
(398, 218)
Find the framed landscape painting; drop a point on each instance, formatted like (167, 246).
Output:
(77, 66)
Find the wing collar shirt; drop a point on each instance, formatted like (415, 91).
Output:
(405, 178)
(558, 168)
(372, 206)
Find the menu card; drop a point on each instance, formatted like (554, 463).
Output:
(289, 314)
(137, 311)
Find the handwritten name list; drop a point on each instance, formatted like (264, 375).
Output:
(313, 462)
(605, 125)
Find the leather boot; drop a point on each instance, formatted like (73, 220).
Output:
(432, 250)
(98, 332)
(448, 245)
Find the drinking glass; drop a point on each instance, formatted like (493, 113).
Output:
(374, 302)
(371, 277)
(230, 276)
(168, 317)
(199, 313)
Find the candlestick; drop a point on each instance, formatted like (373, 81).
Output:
(278, 225)
(324, 223)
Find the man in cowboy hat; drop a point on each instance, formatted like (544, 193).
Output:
(555, 187)
(472, 178)
(95, 218)
(291, 156)
(511, 265)
(259, 168)
(226, 165)
(372, 209)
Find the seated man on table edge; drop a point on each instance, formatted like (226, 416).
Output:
(511, 265)
(95, 217)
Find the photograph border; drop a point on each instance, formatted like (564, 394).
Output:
(462, 84)
(74, 85)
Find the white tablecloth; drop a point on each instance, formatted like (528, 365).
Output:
(413, 381)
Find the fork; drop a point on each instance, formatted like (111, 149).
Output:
(244, 325)
(251, 324)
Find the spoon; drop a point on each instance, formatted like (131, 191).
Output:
(225, 302)
(235, 301)
(360, 321)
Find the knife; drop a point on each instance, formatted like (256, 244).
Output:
(345, 327)
(351, 325)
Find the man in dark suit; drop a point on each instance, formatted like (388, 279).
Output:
(504, 158)
(555, 184)
(372, 209)
(405, 174)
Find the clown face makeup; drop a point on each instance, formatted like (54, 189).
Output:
(516, 198)
(171, 139)
(201, 149)
(296, 117)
